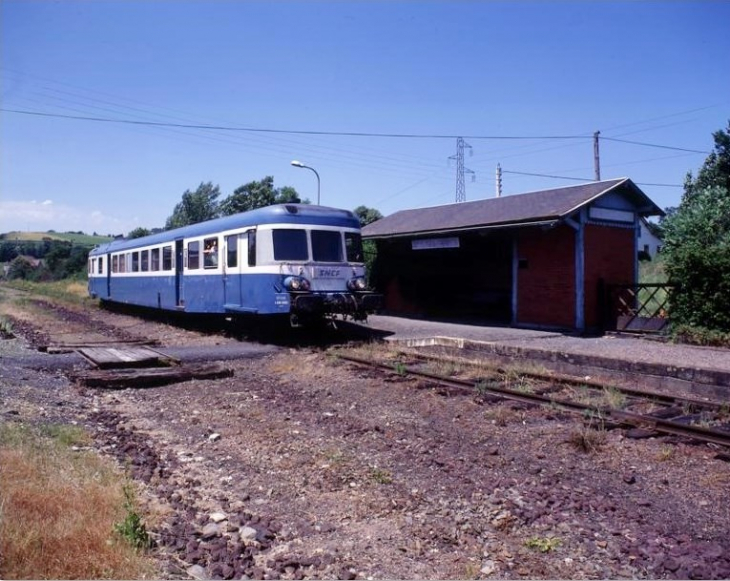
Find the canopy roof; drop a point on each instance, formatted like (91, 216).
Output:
(533, 208)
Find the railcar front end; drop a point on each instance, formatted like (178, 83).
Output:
(309, 271)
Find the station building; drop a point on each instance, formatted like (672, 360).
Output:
(539, 259)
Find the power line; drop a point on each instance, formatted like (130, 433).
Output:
(335, 133)
(659, 185)
(542, 175)
(341, 151)
(231, 128)
(287, 131)
(655, 145)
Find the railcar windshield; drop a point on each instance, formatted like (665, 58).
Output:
(290, 244)
(293, 244)
(353, 245)
(326, 246)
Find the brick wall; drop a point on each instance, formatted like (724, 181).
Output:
(610, 255)
(546, 278)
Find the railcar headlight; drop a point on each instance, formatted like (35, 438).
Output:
(357, 284)
(296, 283)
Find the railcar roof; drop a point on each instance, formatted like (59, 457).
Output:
(278, 214)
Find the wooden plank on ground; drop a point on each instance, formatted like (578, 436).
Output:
(67, 346)
(124, 357)
(148, 377)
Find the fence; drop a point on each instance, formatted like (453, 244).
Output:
(637, 308)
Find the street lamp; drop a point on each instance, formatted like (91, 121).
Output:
(296, 163)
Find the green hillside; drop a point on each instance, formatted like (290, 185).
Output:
(73, 237)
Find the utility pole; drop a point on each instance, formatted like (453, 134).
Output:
(596, 157)
(498, 181)
(460, 169)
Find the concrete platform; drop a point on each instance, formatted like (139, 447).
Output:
(701, 371)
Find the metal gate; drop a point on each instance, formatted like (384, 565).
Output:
(637, 308)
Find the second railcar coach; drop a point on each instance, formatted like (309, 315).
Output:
(298, 260)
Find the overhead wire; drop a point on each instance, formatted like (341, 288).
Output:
(644, 144)
(351, 160)
(542, 175)
(278, 144)
(275, 144)
(286, 131)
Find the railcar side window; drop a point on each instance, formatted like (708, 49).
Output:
(122, 263)
(290, 244)
(210, 254)
(167, 258)
(145, 260)
(115, 263)
(232, 250)
(251, 247)
(353, 245)
(155, 259)
(326, 246)
(193, 255)
(135, 261)
(101, 265)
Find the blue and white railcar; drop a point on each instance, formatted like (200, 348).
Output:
(299, 260)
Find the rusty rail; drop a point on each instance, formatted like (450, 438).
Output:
(662, 426)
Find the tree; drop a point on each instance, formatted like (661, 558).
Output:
(697, 244)
(288, 195)
(138, 232)
(56, 259)
(716, 169)
(20, 267)
(197, 206)
(367, 215)
(258, 194)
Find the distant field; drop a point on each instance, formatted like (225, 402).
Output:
(83, 239)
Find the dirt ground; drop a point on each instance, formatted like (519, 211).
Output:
(304, 466)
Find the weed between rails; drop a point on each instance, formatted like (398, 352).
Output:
(132, 528)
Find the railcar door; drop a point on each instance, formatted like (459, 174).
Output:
(240, 255)
(109, 276)
(179, 300)
(231, 271)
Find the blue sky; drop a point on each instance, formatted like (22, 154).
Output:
(651, 72)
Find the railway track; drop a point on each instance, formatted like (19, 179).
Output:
(698, 420)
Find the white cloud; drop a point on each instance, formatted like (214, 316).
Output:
(46, 215)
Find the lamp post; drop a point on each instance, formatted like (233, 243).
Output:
(296, 163)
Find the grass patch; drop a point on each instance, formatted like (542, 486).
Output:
(58, 509)
(614, 398)
(589, 438)
(543, 544)
(653, 271)
(514, 379)
(70, 290)
(380, 476)
(700, 336)
(6, 328)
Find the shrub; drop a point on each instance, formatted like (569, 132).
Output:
(697, 253)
